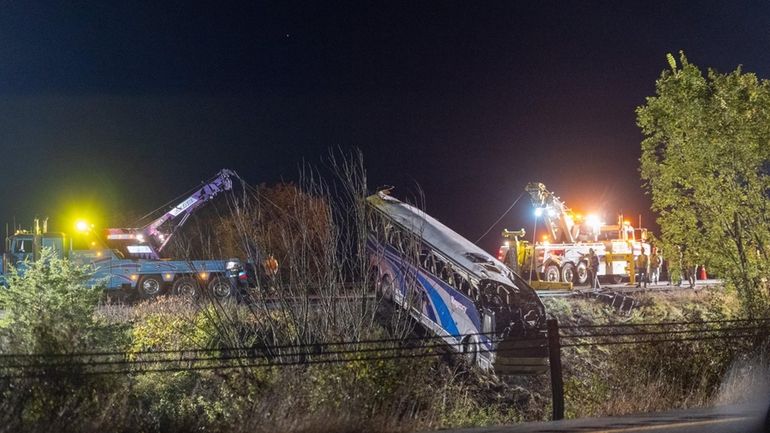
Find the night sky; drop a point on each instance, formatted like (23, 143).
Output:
(112, 108)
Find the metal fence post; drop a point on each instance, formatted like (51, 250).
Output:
(554, 359)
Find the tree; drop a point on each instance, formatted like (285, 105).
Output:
(49, 311)
(706, 163)
(49, 308)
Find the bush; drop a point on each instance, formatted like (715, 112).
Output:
(49, 309)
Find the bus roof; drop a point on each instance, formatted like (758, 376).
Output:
(441, 237)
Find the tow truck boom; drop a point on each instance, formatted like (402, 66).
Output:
(153, 237)
(555, 213)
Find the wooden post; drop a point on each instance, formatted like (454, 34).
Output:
(554, 358)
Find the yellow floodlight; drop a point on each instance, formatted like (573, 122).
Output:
(82, 226)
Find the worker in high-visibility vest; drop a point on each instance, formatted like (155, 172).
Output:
(642, 263)
(655, 262)
(271, 266)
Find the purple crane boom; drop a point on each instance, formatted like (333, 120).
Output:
(148, 241)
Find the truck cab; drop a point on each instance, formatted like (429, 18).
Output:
(26, 246)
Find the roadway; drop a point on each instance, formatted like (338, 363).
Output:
(731, 419)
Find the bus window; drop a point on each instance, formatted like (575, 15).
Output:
(447, 274)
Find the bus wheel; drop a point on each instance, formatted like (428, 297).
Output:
(581, 274)
(221, 288)
(470, 349)
(185, 286)
(386, 287)
(150, 286)
(568, 273)
(552, 273)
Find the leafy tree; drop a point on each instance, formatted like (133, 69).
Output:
(49, 309)
(706, 163)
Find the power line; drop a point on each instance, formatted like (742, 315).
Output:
(217, 358)
(680, 331)
(695, 322)
(321, 345)
(501, 217)
(250, 356)
(670, 340)
(236, 348)
(251, 365)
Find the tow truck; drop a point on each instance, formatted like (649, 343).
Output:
(561, 257)
(129, 261)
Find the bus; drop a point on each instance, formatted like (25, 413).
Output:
(455, 290)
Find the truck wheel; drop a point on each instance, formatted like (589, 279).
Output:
(581, 274)
(185, 286)
(568, 273)
(150, 286)
(221, 288)
(552, 273)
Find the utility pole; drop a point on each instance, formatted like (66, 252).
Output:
(554, 359)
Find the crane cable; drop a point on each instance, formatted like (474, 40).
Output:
(176, 199)
(500, 219)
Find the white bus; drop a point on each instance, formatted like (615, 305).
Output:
(457, 291)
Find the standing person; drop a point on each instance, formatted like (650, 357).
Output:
(593, 268)
(642, 263)
(655, 262)
(689, 270)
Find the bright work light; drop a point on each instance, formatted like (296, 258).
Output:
(81, 226)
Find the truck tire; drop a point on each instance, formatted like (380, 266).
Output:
(221, 288)
(581, 274)
(552, 273)
(470, 348)
(568, 273)
(186, 286)
(150, 286)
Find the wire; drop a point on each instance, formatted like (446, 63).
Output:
(216, 358)
(671, 340)
(255, 365)
(395, 340)
(700, 322)
(177, 198)
(236, 348)
(681, 331)
(344, 360)
(499, 219)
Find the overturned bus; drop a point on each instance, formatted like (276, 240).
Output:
(455, 290)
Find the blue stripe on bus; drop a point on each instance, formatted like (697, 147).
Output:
(430, 311)
(447, 321)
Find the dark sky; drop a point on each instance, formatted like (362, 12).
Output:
(115, 107)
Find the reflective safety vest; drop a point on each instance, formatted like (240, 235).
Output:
(271, 265)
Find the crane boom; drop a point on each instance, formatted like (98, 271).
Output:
(149, 241)
(556, 214)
